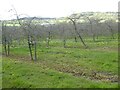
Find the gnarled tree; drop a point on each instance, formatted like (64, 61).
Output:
(74, 21)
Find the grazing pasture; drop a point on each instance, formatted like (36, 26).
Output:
(77, 51)
(57, 67)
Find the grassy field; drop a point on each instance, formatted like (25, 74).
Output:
(58, 67)
(0, 72)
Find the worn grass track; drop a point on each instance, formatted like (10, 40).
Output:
(28, 74)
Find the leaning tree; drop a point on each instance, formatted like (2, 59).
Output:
(74, 19)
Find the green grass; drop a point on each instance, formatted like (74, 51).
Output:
(26, 74)
(58, 67)
(0, 66)
(0, 72)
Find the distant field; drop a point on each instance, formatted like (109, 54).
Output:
(58, 67)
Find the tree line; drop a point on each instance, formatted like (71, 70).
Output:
(75, 26)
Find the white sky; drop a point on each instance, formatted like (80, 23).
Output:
(55, 8)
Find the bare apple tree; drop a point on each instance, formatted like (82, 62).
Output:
(74, 21)
(27, 26)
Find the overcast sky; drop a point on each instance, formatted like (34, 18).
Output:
(55, 8)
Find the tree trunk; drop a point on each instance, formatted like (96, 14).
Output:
(48, 39)
(93, 34)
(49, 35)
(112, 34)
(8, 48)
(79, 35)
(5, 46)
(75, 27)
(64, 43)
(47, 42)
(35, 51)
(30, 49)
(97, 36)
(94, 37)
(75, 39)
(5, 49)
